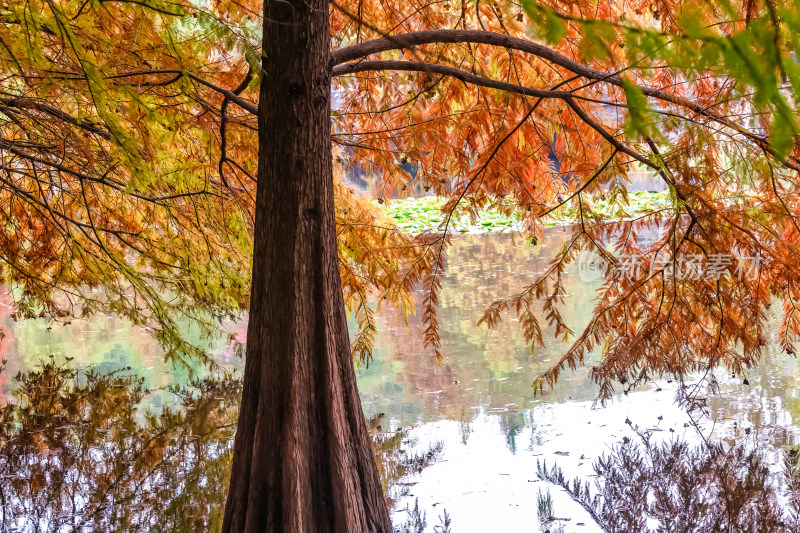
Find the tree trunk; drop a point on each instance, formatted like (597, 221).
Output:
(302, 458)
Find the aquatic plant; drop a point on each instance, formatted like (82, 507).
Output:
(416, 522)
(686, 488)
(444, 523)
(544, 505)
(426, 214)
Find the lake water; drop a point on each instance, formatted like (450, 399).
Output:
(478, 401)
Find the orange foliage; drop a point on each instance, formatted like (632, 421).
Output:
(128, 160)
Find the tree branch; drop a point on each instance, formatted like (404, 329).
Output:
(32, 105)
(463, 75)
(410, 40)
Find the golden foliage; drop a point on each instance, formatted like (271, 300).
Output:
(128, 161)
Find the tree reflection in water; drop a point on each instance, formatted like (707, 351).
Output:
(670, 485)
(78, 451)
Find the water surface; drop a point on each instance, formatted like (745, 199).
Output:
(479, 400)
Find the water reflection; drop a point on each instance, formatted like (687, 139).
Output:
(105, 343)
(78, 453)
(491, 371)
(479, 401)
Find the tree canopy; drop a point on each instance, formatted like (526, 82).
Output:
(128, 144)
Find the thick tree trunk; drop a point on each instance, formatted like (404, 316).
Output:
(302, 458)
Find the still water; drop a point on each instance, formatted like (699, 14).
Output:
(478, 401)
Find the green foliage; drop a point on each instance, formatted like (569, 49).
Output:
(417, 215)
(545, 22)
(640, 120)
(759, 55)
(113, 203)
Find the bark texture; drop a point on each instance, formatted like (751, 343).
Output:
(302, 457)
